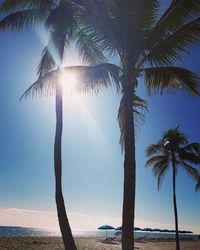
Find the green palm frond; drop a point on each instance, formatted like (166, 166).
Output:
(104, 41)
(156, 159)
(88, 49)
(61, 17)
(23, 18)
(9, 5)
(44, 86)
(94, 78)
(91, 78)
(159, 170)
(47, 62)
(154, 149)
(173, 47)
(193, 172)
(176, 138)
(197, 184)
(174, 149)
(171, 79)
(139, 108)
(161, 175)
(193, 147)
(179, 13)
(189, 156)
(149, 9)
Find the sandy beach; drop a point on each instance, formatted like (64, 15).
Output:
(52, 243)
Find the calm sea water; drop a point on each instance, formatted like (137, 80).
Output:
(35, 232)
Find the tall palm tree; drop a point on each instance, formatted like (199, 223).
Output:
(60, 19)
(147, 45)
(172, 152)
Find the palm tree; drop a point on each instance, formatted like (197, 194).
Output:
(147, 45)
(172, 152)
(60, 19)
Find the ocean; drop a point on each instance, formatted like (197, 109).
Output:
(37, 232)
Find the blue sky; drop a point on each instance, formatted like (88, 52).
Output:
(92, 159)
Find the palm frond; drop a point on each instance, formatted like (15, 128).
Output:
(154, 149)
(91, 78)
(139, 108)
(194, 148)
(47, 62)
(23, 18)
(179, 13)
(197, 184)
(189, 156)
(173, 47)
(94, 78)
(9, 5)
(44, 86)
(161, 175)
(61, 17)
(171, 79)
(193, 172)
(88, 49)
(50, 56)
(174, 135)
(156, 159)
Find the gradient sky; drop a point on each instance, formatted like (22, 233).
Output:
(92, 159)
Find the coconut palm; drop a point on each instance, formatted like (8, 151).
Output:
(60, 19)
(147, 45)
(173, 152)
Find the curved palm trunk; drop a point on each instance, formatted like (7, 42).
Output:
(129, 175)
(65, 229)
(175, 206)
(62, 216)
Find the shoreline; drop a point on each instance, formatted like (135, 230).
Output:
(89, 243)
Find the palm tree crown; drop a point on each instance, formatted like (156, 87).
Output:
(173, 151)
(173, 146)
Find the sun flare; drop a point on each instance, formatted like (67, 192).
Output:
(69, 83)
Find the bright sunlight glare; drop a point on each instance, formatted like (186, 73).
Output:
(69, 83)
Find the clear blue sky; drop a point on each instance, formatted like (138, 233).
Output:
(92, 159)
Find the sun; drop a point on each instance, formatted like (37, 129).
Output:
(69, 83)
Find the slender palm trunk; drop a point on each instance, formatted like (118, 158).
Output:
(62, 216)
(129, 175)
(175, 206)
(128, 214)
(65, 229)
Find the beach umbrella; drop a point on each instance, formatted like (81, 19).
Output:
(188, 232)
(165, 231)
(156, 230)
(147, 229)
(106, 227)
(135, 228)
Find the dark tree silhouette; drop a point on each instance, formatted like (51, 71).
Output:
(173, 151)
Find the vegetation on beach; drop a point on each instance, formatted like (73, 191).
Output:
(173, 151)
